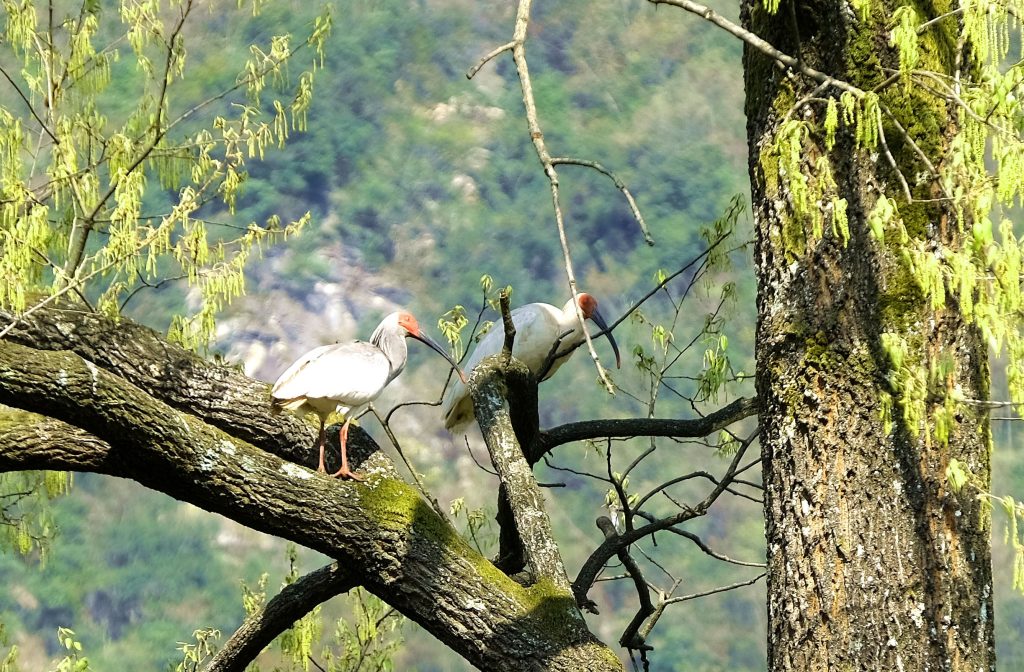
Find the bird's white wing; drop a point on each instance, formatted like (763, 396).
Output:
(536, 330)
(289, 383)
(350, 373)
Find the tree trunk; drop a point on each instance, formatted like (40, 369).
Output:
(874, 561)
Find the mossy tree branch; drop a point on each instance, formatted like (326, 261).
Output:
(146, 377)
(490, 390)
(393, 542)
(218, 394)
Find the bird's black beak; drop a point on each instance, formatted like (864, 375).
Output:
(599, 321)
(423, 338)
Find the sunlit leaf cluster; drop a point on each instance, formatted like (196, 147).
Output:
(297, 641)
(100, 198)
(26, 523)
(199, 650)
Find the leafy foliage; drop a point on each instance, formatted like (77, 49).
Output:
(25, 519)
(368, 640)
(79, 169)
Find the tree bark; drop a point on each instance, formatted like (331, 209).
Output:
(520, 492)
(177, 429)
(874, 562)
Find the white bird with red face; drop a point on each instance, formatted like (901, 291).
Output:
(346, 377)
(538, 327)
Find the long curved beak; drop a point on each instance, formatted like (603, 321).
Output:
(423, 338)
(599, 321)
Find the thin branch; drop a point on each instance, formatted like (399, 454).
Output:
(916, 147)
(292, 603)
(554, 355)
(476, 461)
(619, 184)
(596, 562)
(21, 94)
(593, 429)
(720, 589)
(761, 45)
(518, 48)
(707, 550)
(798, 66)
(890, 159)
(620, 491)
(491, 55)
(659, 610)
(643, 591)
(82, 227)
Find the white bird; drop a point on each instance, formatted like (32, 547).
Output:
(538, 327)
(346, 377)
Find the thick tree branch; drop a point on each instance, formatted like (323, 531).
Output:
(292, 603)
(30, 441)
(217, 394)
(487, 384)
(392, 541)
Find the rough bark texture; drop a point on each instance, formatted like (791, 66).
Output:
(139, 408)
(873, 563)
(521, 492)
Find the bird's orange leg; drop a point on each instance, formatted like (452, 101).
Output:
(344, 472)
(323, 439)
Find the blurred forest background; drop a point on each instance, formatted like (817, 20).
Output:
(420, 181)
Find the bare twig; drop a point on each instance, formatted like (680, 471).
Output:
(21, 94)
(619, 184)
(509, 326)
(890, 159)
(760, 44)
(643, 591)
(720, 589)
(518, 48)
(596, 562)
(491, 55)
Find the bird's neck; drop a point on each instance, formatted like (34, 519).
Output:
(568, 322)
(395, 350)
